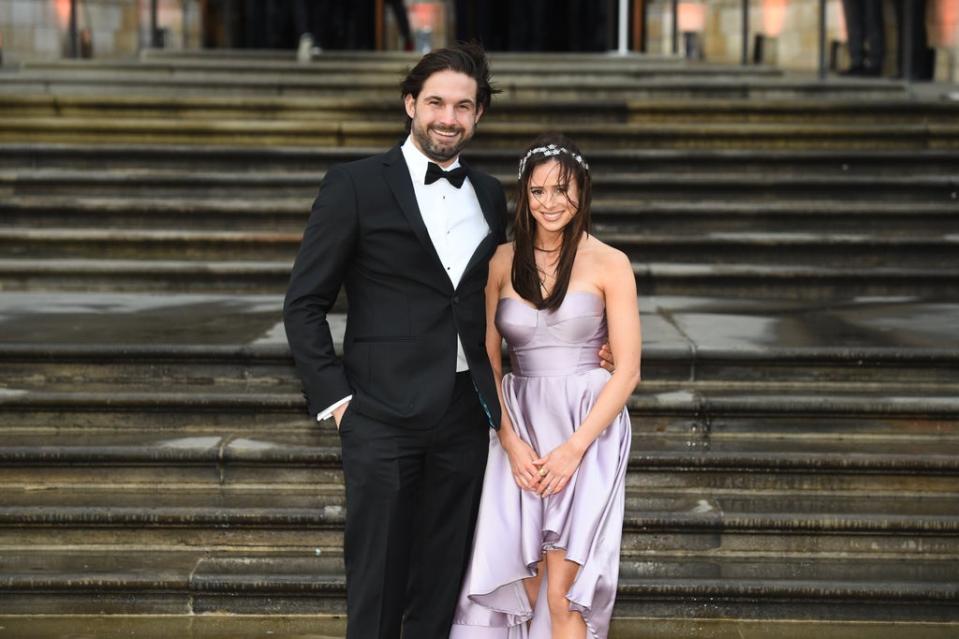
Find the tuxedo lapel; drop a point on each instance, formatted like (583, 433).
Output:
(481, 255)
(399, 181)
(482, 252)
(485, 204)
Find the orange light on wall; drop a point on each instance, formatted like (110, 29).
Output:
(945, 25)
(841, 25)
(774, 14)
(62, 8)
(425, 15)
(692, 17)
(428, 24)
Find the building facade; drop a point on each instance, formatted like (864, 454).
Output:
(788, 30)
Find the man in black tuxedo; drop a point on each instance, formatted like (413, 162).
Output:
(408, 234)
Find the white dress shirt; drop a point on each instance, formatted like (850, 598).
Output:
(455, 223)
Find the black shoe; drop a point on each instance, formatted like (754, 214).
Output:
(871, 72)
(856, 69)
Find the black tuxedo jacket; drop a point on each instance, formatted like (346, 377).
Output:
(366, 233)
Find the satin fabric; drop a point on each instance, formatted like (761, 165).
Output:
(555, 380)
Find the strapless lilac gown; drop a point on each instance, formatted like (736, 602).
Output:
(555, 380)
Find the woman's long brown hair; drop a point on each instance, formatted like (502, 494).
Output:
(525, 277)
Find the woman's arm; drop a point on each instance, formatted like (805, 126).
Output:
(521, 456)
(625, 341)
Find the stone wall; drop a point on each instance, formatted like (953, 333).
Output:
(120, 28)
(117, 28)
(793, 26)
(793, 23)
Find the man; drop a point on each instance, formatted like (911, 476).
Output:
(408, 234)
(864, 36)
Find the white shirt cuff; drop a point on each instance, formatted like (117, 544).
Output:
(329, 411)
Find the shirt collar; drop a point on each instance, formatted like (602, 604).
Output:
(417, 162)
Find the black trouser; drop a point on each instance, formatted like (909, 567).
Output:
(411, 499)
(923, 65)
(864, 32)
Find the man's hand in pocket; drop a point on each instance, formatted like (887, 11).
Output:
(338, 413)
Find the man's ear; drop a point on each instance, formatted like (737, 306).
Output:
(410, 103)
(479, 113)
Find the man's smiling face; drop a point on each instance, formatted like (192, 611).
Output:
(444, 115)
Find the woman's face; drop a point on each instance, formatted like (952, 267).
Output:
(552, 202)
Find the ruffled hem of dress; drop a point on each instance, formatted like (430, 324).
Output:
(464, 629)
(520, 618)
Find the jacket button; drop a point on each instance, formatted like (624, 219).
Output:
(456, 299)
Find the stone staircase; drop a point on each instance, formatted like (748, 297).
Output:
(795, 467)
(802, 224)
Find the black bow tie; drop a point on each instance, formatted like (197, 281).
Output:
(454, 176)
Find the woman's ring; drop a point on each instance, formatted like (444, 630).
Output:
(543, 471)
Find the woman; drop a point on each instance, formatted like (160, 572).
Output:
(546, 553)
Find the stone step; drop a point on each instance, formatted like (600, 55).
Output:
(287, 215)
(791, 282)
(161, 530)
(185, 625)
(825, 458)
(890, 110)
(220, 342)
(663, 524)
(117, 398)
(317, 626)
(510, 136)
(321, 507)
(638, 189)
(205, 340)
(762, 430)
(504, 71)
(721, 85)
(838, 250)
(268, 365)
(792, 215)
(245, 56)
(777, 481)
(182, 582)
(275, 160)
(849, 250)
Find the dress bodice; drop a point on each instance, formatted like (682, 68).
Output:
(545, 343)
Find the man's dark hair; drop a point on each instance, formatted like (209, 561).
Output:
(463, 57)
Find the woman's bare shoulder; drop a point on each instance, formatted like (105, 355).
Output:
(504, 253)
(604, 256)
(502, 258)
(609, 267)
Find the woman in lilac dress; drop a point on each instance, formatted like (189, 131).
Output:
(545, 558)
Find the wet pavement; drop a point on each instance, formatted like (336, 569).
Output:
(112, 318)
(681, 323)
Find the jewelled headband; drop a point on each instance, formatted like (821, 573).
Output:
(549, 151)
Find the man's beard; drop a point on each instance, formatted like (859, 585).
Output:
(436, 152)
